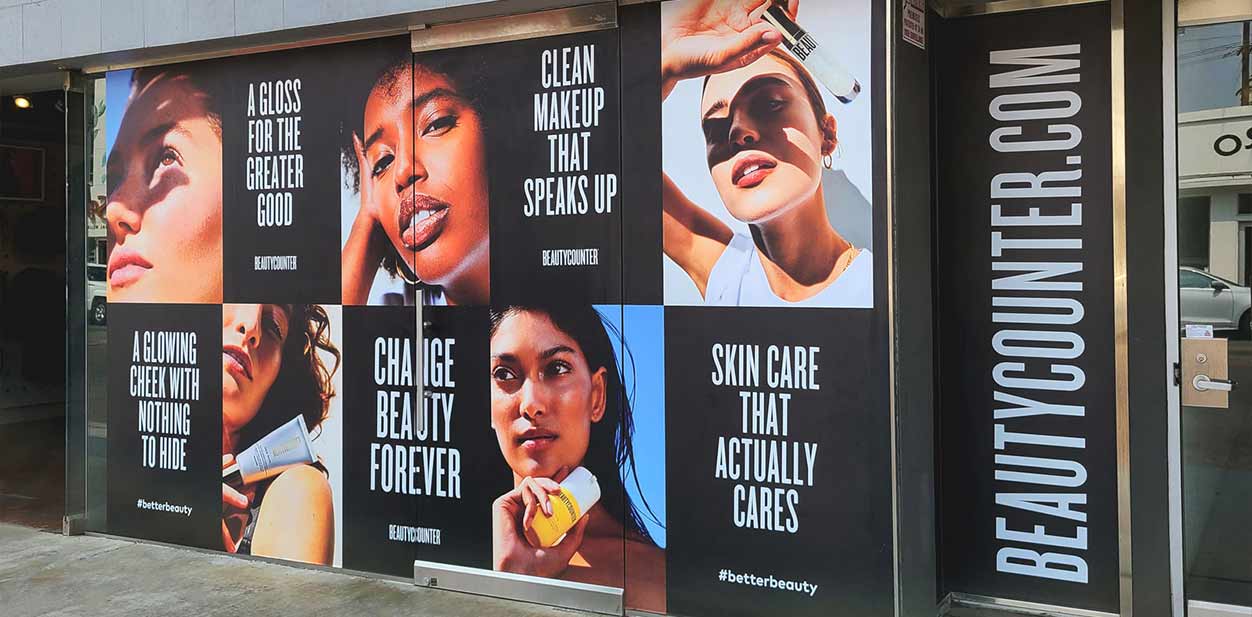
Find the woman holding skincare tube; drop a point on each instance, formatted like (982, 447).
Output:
(272, 371)
(557, 404)
(164, 207)
(767, 136)
(420, 164)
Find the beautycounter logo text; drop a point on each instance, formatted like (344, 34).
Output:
(1037, 265)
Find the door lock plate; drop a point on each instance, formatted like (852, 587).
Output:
(1205, 373)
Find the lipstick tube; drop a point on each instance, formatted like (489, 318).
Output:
(819, 60)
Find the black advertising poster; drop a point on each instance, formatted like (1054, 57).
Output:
(643, 274)
(379, 411)
(553, 122)
(777, 455)
(641, 219)
(778, 433)
(417, 481)
(458, 407)
(280, 170)
(1026, 294)
(165, 423)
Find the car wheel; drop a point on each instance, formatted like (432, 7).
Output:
(98, 310)
(1245, 326)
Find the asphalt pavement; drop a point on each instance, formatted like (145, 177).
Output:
(43, 573)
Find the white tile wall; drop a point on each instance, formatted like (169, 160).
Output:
(210, 19)
(252, 16)
(164, 22)
(298, 13)
(41, 29)
(121, 24)
(80, 27)
(10, 34)
(45, 30)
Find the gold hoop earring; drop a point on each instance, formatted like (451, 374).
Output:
(827, 161)
(400, 268)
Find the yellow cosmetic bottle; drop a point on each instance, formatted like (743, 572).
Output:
(579, 492)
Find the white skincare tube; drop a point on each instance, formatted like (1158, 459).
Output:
(285, 447)
(579, 492)
(819, 59)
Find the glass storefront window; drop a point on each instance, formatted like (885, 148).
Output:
(1214, 253)
(1193, 231)
(94, 304)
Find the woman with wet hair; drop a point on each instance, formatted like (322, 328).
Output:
(558, 403)
(273, 370)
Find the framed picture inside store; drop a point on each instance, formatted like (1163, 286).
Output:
(21, 173)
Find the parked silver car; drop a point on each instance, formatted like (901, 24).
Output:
(1208, 299)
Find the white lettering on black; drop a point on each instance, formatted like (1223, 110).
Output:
(1037, 268)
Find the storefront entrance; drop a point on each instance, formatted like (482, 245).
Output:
(1119, 366)
(420, 206)
(480, 277)
(32, 284)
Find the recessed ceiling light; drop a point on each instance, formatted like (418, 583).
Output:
(21, 102)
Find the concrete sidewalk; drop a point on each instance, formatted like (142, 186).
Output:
(44, 573)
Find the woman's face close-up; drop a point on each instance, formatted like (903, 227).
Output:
(544, 396)
(426, 157)
(252, 344)
(764, 143)
(164, 207)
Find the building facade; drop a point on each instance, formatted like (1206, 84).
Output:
(694, 307)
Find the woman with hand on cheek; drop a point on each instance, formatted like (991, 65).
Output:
(421, 167)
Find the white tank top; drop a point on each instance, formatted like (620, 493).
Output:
(738, 279)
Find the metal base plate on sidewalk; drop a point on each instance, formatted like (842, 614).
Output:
(74, 525)
(553, 592)
(956, 601)
(1197, 608)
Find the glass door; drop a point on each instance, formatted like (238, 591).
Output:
(1215, 305)
(33, 257)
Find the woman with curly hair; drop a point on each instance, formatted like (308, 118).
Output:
(272, 370)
